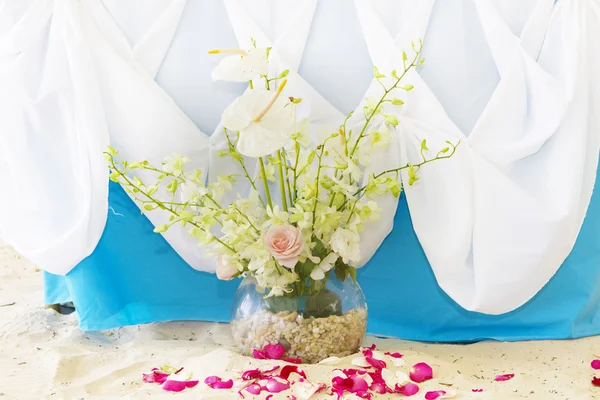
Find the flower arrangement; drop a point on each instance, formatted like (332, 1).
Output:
(309, 195)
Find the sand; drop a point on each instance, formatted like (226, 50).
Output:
(43, 355)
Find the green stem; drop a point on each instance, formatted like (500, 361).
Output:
(281, 183)
(243, 164)
(287, 177)
(265, 181)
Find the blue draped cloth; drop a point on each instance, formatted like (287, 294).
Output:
(135, 277)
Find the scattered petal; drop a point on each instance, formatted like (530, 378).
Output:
(389, 378)
(217, 383)
(293, 360)
(305, 390)
(409, 389)
(434, 395)
(476, 390)
(505, 377)
(361, 362)
(156, 376)
(269, 397)
(596, 364)
(259, 373)
(259, 354)
(402, 377)
(393, 355)
(291, 369)
(178, 386)
(275, 385)
(274, 351)
(379, 364)
(596, 381)
(421, 372)
(330, 361)
(254, 389)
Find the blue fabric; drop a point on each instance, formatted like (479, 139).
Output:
(134, 277)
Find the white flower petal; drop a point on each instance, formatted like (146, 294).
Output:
(257, 141)
(361, 362)
(331, 360)
(238, 68)
(317, 273)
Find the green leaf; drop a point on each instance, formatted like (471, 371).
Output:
(340, 272)
(395, 74)
(236, 156)
(408, 88)
(149, 207)
(268, 52)
(404, 56)
(397, 102)
(391, 119)
(304, 269)
(424, 145)
(284, 73)
(377, 74)
(421, 61)
(444, 150)
(223, 153)
(152, 189)
(114, 176)
(112, 151)
(351, 272)
(311, 157)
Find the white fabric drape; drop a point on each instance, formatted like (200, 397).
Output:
(496, 220)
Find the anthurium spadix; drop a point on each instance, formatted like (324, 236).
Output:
(240, 65)
(264, 120)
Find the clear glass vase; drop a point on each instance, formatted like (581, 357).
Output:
(310, 327)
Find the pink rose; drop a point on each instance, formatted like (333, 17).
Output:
(225, 271)
(285, 244)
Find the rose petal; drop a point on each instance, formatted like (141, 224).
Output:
(330, 361)
(476, 390)
(293, 360)
(505, 377)
(155, 376)
(361, 362)
(421, 372)
(596, 364)
(259, 354)
(402, 377)
(434, 395)
(393, 355)
(259, 373)
(274, 351)
(254, 389)
(276, 386)
(389, 378)
(217, 383)
(379, 364)
(596, 381)
(178, 386)
(291, 369)
(269, 397)
(409, 389)
(305, 390)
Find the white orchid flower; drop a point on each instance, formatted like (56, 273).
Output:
(241, 65)
(325, 265)
(264, 120)
(174, 164)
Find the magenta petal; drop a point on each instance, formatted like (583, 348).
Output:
(178, 386)
(379, 387)
(476, 390)
(274, 351)
(155, 377)
(434, 395)
(596, 364)
(293, 360)
(291, 369)
(410, 389)
(421, 372)
(379, 364)
(505, 377)
(259, 354)
(358, 384)
(275, 386)
(393, 355)
(217, 383)
(269, 397)
(254, 389)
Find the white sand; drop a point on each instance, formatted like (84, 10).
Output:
(43, 355)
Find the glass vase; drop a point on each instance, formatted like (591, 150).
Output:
(311, 327)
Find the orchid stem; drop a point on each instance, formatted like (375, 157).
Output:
(281, 184)
(265, 182)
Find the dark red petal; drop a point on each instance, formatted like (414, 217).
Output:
(596, 381)
(293, 360)
(476, 390)
(291, 369)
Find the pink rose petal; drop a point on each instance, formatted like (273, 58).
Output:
(259, 354)
(421, 372)
(274, 351)
(217, 383)
(276, 386)
(596, 364)
(155, 376)
(259, 373)
(434, 395)
(269, 397)
(505, 377)
(393, 355)
(291, 369)
(476, 390)
(410, 389)
(254, 389)
(596, 381)
(178, 386)
(293, 360)
(379, 364)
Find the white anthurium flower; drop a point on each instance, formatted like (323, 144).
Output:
(264, 120)
(325, 265)
(241, 65)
